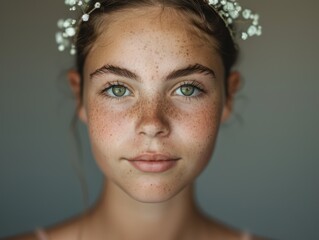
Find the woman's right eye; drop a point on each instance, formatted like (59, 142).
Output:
(117, 91)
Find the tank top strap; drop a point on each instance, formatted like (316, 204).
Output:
(41, 234)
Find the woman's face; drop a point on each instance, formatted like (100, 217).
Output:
(153, 101)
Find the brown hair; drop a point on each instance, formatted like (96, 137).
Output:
(204, 18)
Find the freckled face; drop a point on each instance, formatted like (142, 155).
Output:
(153, 85)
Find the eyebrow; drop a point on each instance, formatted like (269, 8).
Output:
(114, 70)
(189, 70)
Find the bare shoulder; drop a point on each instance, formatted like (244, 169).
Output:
(29, 236)
(220, 230)
(63, 231)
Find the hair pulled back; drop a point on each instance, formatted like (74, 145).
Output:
(203, 17)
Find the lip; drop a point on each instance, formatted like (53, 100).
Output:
(153, 163)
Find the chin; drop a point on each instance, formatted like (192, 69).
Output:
(149, 192)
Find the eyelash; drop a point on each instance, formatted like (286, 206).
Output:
(198, 86)
(195, 84)
(111, 85)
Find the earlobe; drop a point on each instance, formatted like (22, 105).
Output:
(233, 86)
(75, 84)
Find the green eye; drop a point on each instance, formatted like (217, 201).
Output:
(187, 90)
(117, 91)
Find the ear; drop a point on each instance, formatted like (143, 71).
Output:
(233, 86)
(75, 84)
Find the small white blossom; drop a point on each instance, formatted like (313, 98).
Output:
(68, 27)
(229, 10)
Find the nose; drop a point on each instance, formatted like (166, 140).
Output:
(153, 119)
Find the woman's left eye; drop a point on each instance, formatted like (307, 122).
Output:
(188, 90)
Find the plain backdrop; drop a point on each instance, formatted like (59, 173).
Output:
(264, 174)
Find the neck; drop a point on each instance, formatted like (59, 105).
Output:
(176, 218)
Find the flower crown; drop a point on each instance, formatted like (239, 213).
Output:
(229, 10)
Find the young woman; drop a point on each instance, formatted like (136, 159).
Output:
(153, 83)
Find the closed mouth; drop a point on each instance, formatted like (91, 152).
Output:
(154, 163)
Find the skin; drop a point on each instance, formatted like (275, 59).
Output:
(153, 117)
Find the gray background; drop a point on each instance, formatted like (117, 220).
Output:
(264, 174)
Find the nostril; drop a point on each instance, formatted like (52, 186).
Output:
(153, 130)
(153, 127)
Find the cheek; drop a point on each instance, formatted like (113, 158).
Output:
(107, 128)
(202, 125)
(99, 122)
(198, 132)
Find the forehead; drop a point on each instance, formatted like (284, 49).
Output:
(161, 35)
(156, 19)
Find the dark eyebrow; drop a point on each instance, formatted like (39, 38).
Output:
(114, 70)
(191, 69)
